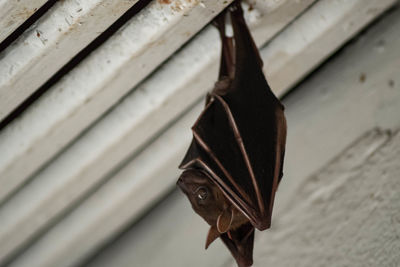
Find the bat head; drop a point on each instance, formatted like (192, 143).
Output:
(206, 198)
(210, 203)
(225, 220)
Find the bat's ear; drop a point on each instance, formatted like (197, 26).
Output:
(212, 235)
(225, 220)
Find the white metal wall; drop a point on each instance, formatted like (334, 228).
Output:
(102, 144)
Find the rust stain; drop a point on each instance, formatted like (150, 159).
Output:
(119, 7)
(39, 35)
(165, 2)
(161, 42)
(23, 14)
(87, 100)
(10, 23)
(178, 6)
(251, 6)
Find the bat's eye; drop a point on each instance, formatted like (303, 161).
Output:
(202, 193)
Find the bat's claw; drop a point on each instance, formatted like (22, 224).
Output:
(236, 7)
(229, 235)
(219, 21)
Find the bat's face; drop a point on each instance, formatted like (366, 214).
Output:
(226, 221)
(206, 198)
(210, 203)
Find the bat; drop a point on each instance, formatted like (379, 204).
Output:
(235, 161)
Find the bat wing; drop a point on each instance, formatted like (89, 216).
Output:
(241, 147)
(239, 139)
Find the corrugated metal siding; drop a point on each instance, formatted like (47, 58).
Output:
(102, 144)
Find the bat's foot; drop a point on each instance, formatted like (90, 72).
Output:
(219, 21)
(236, 8)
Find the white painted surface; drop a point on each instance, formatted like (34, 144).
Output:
(314, 36)
(50, 43)
(132, 189)
(113, 69)
(348, 214)
(13, 13)
(335, 107)
(324, 117)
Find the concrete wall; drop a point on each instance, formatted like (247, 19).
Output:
(339, 204)
(347, 214)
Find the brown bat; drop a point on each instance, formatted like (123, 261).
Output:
(234, 163)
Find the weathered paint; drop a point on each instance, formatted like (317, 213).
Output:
(13, 13)
(50, 43)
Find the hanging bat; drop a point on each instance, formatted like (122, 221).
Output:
(234, 164)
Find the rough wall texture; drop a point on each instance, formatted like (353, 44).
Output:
(339, 201)
(349, 213)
